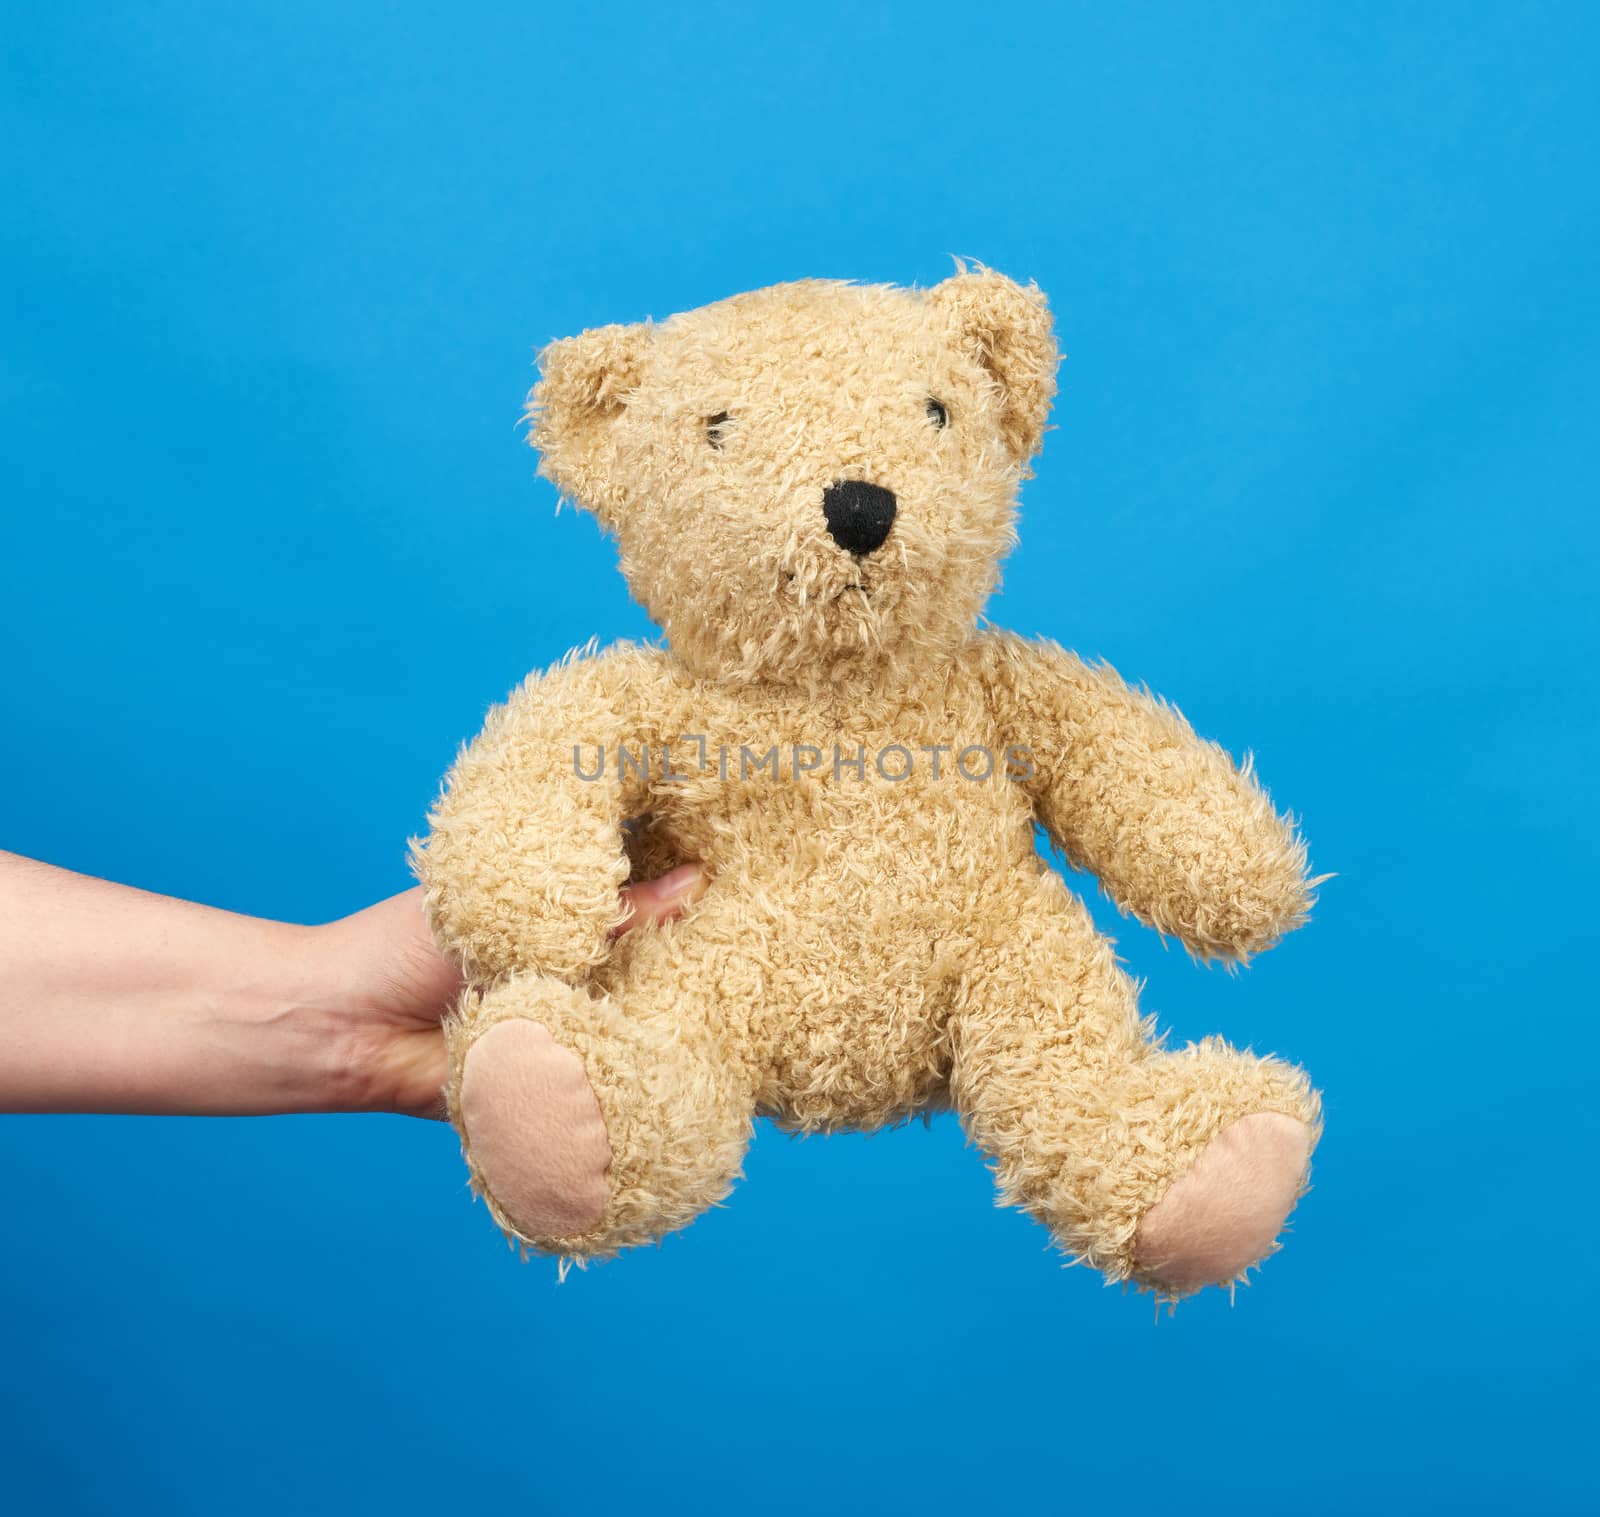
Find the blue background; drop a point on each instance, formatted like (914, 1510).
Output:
(1325, 472)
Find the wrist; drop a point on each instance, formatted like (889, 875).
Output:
(381, 989)
(278, 1041)
(328, 1027)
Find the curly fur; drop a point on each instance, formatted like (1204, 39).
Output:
(869, 947)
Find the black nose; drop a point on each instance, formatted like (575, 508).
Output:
(859, 515)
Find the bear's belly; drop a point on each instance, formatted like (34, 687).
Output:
(836, 937)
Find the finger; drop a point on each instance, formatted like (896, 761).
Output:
(660, 900)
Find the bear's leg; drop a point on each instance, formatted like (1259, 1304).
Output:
(587, 1128)
(1171, 1169)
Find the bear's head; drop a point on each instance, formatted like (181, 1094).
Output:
(809, 479)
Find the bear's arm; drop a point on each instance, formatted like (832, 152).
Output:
(524, 858)
(1179, 835)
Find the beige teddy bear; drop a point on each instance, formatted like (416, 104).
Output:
(812, 487)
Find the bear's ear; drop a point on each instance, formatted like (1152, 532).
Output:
(584, 383)
(1007, 329)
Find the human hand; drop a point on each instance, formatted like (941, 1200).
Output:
(116, 1000)
(396, 987)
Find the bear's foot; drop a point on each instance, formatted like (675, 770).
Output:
(589, 1127)
(532, 1124)
(1224, 1214)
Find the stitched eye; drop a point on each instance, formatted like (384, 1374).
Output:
(938, 413)
(717, 428)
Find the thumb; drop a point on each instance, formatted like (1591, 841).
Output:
(652, 901)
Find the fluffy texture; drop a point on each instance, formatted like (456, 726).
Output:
(860, 769)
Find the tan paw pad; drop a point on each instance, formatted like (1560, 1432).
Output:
(534, 1131)
(1225, 1213)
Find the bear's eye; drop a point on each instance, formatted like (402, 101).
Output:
(938, 413)
(717, 428)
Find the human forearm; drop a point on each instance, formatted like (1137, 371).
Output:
(116, 1000)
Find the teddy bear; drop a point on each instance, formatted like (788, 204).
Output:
(811, 488)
